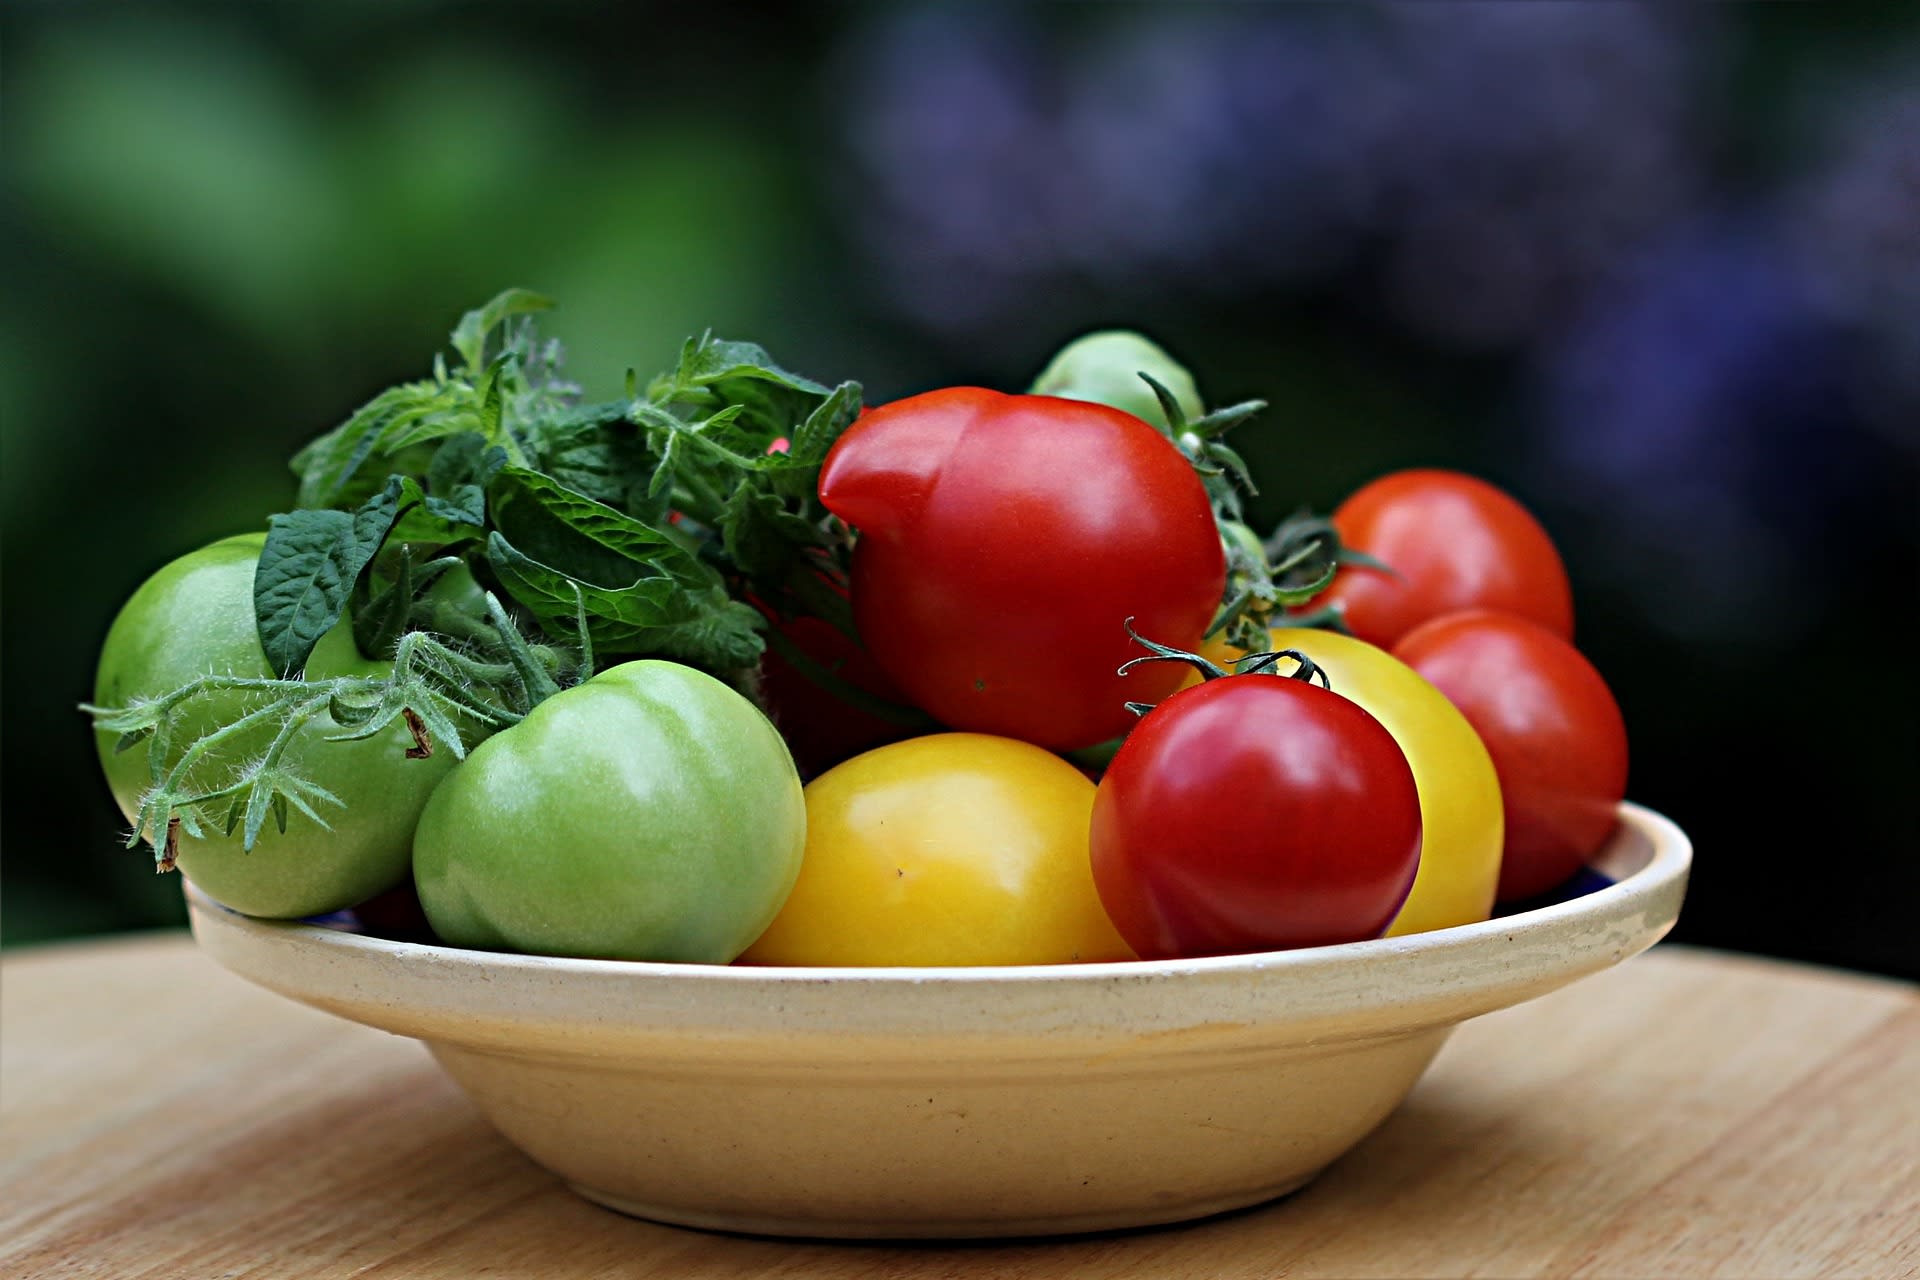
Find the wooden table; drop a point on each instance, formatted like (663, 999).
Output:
(1688, 1114)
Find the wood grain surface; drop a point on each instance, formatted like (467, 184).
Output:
(1688, 1114)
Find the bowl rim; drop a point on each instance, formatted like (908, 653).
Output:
(1638, 888)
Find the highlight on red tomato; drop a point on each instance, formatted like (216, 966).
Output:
(1558, 741)
(1254, 812)
(1448, 542)
(1003, 542)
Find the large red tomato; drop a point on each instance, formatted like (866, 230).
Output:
(1453, 542)
(1558, 742)
(1252, 813)
(1005, 541)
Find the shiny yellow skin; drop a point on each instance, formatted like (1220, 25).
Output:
(1461, 818)
(951, 849)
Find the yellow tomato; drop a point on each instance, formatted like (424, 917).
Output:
(952, 849)
(1460, 814)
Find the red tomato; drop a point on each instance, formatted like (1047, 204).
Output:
(1456, 543)
(820, 727)
(1550, 723)
(1004, 542)
(1252, 813)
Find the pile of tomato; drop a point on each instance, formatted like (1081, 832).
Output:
(1450, 749)
(1081, 773)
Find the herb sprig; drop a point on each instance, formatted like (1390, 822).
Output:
(629, 528)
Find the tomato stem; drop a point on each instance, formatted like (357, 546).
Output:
(813, 669)
(537, 682)
(1262, 663)
(817, 595)
(1252, 664)
(1165, 653)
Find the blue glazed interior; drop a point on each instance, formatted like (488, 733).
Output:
(1583, 882)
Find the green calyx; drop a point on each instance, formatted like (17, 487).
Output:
(1266, 663)
(1268, 579)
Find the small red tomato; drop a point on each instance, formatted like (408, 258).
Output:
(1453, 542)
(1252, 813)
(1558, 742)
(1004, 541)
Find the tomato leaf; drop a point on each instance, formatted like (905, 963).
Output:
(649, 615)
(590, 540)
(466, 458)
(643, 591)
(650, 516)
(330, 467)
(467, 504)
(716, 372)
(796, 472)
(308, 567)
(469, 337)
(453, 412)
(596, 450)
(760, 532)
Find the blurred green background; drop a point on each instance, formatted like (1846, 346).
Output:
(1655, 270)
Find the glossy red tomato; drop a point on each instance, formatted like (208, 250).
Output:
(1558, 742)
(1004, 542)
(1252, 813)
(1454, 542)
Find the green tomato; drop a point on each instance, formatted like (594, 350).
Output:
(195, 617)
(1105, 367)
(649, 813)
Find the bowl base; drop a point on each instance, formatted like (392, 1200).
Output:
(942, 1228)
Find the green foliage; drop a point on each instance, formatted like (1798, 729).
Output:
(618, 530)
(644, 591)
(308, 569)
(649, 514)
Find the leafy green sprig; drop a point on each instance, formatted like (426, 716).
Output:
(661, 510)
(635, 527)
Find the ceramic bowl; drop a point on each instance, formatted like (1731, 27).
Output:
(955, 1102)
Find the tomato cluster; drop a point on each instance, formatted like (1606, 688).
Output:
(1458, 751)
(1052, 705)
(1471, 594)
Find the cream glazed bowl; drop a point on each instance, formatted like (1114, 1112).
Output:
(955, 1102)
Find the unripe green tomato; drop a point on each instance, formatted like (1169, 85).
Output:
(195, 617)
(649, 813)
(1105, 367)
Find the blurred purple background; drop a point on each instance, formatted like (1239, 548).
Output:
(1656, 269)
